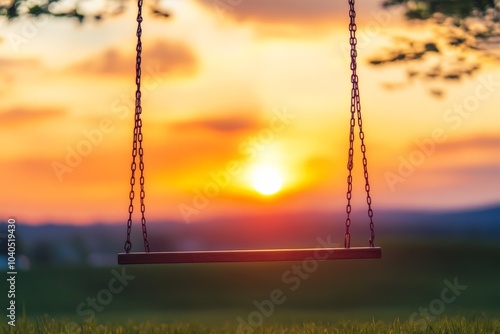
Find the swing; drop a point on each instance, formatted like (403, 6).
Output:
(259, 255)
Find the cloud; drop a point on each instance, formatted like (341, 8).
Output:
(220, 124)
(474, 160)
(291, 17)
(161, 56)
(483, 177)
(491, 171)
(12, 69)
(109, 62)
(279, 11)
(216, 138)
(10, 63)
(475, 143)
(28, 168)
(23, 115)
(194, 147)
(480, 157)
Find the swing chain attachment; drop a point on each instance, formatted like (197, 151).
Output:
(356, 111)
(137, 148)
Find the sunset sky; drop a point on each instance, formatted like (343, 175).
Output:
(259, 83)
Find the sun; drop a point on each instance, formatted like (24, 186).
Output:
(266, 179)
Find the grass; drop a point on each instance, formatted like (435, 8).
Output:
(47, 325)
(372, 296)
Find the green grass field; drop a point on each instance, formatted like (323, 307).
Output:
(445, 326)
(401, 293)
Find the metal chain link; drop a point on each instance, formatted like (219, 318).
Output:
(356, 110)
(137, 145)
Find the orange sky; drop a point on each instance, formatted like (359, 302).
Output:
(259, 83)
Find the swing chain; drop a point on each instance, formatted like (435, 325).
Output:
(137, 145)
(356, 111)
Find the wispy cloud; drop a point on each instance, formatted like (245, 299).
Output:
(28, 169)
(474, 143)
(287, 18)
(10, 63)
(28, 115)
(215, 139)
(221, 124)
(472, 162)
(13, 70)
(282, 11)
(165, 56)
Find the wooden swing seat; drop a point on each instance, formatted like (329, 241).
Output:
(260, 255)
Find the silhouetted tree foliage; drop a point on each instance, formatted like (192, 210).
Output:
(466, 31)
(425, 9)
(464, 34)
(80, 9)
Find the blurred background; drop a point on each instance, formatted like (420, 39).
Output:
(246, 124)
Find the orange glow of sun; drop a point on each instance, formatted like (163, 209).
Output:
(266, 179)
